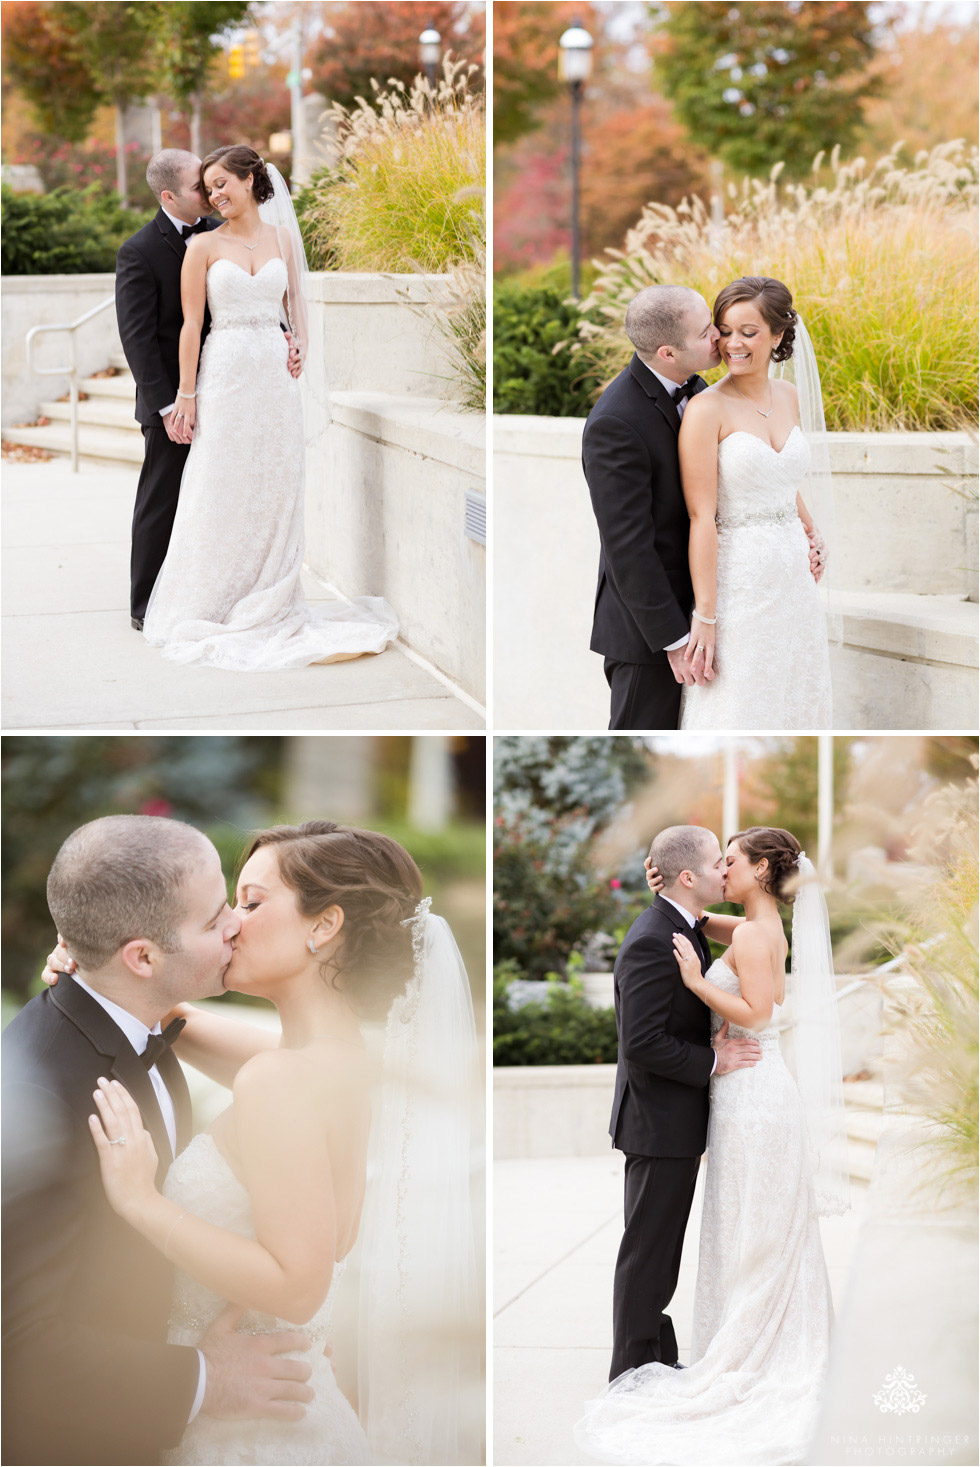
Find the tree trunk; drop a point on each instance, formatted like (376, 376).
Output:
(121, 155)
(196, 125)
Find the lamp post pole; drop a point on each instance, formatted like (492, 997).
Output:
(430, 52)
(575, 67)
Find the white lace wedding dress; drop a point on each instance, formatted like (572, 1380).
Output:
(771, 637)
(202, 1182)
(762, 1306)
(228, 594)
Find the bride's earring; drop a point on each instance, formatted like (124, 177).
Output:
(312, 947)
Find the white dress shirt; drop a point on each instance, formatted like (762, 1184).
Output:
(690, 920)
(180, 225)
(671, 388)
(137, 1033)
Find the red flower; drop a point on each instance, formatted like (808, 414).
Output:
(157, 807)
(615, 883)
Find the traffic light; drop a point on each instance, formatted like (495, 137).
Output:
(236, 63)
(252, 49)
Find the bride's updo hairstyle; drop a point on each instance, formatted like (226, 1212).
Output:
(775, 305)
(241, 160)
(782, 850)
(376, 884)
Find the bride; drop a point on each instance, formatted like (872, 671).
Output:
(229, 592)
(263, 1209)
(743, 456)
(762, 1306)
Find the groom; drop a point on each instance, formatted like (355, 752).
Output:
(88, 1375)
(149, 315)
(643, 602)
(660, 1111)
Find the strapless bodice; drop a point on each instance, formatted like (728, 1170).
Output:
(203, 1183)
(721, 975)
(236, 298)
(757, 486)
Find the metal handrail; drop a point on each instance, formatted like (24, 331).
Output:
(71, 371)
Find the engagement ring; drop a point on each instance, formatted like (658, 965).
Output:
(119, 1141)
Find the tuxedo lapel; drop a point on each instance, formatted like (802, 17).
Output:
(656, 391)
(170, 234)
(694, 935)
(124, 1064)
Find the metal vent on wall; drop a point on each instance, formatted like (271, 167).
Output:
(475, 517)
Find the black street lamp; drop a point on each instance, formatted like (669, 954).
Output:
(575, 68)
(430, 51)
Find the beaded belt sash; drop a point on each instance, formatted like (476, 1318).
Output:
(784, 516)
(245, 321)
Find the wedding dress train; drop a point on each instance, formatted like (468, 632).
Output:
(762, 1308)
(229, 592)
(201, 1181)
(771, 637)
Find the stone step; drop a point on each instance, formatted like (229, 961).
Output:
(97, 443)
(864, 1095)
(118, 359)
(108, 412)
(121, 386)
(860, 1159)
(865, 1125)
(905, 625)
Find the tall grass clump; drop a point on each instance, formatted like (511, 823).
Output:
(881, 261)
(936, 934)
(402, 194)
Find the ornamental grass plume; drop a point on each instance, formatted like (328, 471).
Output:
(935, 932)
(881, 261)
(401, 194)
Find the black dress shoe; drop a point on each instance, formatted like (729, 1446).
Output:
(679, 1366)
(136, 622)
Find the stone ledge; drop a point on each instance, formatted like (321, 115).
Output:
(350, 288)
(940, 629)
(426, 426)
(552, 1077)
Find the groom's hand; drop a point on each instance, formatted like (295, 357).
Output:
(249, 1376)
(172, 433)
(734, 1054)
(293, 362)
(680, 666)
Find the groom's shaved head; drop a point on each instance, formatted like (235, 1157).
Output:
(660, 316)
(169, 170)
(680, 848)
(123, 877)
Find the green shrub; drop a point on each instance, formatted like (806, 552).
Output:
(67, 232)
(543, 907)
(529, 375)
(564, 1030)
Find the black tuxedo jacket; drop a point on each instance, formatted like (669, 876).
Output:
(664, 1030)
(149, 313)
(629, 456)
(88, 1376)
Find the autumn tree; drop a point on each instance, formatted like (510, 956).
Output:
(928, 70)
(525, 61)
(41, 60)
(187, 31)
(767, 81)
(381, 41)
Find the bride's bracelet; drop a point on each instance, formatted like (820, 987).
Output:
(186, 394)
(709, 621)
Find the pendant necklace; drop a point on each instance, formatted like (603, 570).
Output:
(751, 403)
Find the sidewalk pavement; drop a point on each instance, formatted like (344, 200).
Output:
(71, 661)
(556, 1229)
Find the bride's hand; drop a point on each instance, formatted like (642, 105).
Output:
(127, 1156)
(818, 553)
(185, 416)
(654, 879)
(688, 962)
(701, 650)
(294, 361)
(59, 961)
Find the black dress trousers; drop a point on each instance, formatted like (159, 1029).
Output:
(643, 695)
(659, 1193)
(153, 514)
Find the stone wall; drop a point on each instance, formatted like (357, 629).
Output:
(907, 537)
(42, 300)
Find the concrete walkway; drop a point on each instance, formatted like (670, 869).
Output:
(557, 1226)
(71, 661)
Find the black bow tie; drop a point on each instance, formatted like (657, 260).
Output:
(686, 389)
(157, 1043)
(198, 228)
(699, 923)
